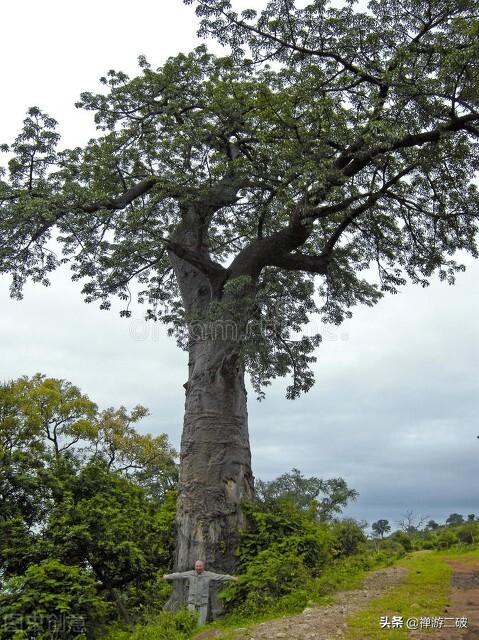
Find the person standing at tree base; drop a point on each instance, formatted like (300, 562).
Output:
(199, 587)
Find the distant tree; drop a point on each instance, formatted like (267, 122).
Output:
(381, 527)
(471, 517)
(454, 519)
(431, 525)
(326, 497)
(411, 522)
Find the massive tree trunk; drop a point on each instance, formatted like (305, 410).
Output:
(215, 459)
(215, 466)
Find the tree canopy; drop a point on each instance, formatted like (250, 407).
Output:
(322, 498)
(380, 527)
(326, 159)
(87, 507)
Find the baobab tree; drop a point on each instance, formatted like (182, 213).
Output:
(328, 157)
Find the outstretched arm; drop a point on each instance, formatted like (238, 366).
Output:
(174, 576)
(222, 577)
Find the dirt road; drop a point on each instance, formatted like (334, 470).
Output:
(463, 603)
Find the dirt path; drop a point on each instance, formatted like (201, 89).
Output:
(463, 603)
(320, 623)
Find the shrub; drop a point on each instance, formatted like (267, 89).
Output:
(445, 539)
(270, 576)
(468, 533)
(164, 626)
(392, 547)
(403, 539)
(287, 530)
(348, 537)
(50, 600)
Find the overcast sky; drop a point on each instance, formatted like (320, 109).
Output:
(395, 407)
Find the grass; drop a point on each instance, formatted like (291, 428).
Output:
(424, 592)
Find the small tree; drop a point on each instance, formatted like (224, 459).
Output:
(325, 497)
(84, 499)
(51, 600)
(454, 519)
(107, 523)
(381, 527)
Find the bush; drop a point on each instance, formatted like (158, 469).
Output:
(392, 548)
(403, 539)
(50, 600)
(286, 557)
(445, 539)
(164, 626)
(468, 533)
(287, 530)
(270, 576)
(349, 571)
(348, 537)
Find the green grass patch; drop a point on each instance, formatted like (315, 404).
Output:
(424, 592)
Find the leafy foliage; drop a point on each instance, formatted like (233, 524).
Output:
(166, 625)
(106, 522)
(87, 510)
(328, 158)
(51, 600)
(324, 497)
(285, 547)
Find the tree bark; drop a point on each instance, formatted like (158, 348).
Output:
(215, 458)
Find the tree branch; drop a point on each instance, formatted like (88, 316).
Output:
(322, 53)
(318, 264)
(358, 162)
(212, 269)
(126, 198)
(298, 261)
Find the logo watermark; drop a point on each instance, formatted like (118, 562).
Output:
(63, 625)
(228, 330)
(422, 622)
